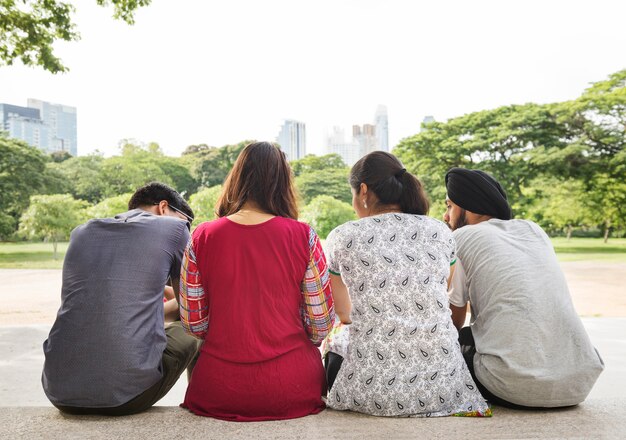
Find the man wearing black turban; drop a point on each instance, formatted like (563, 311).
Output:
(477, 192)
(525, 346)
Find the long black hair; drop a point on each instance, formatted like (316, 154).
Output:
(385, 176)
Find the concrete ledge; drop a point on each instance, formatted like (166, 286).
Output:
(592, 419)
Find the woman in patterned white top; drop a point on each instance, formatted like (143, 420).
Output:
(399, 355)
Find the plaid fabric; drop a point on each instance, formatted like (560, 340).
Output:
(194, 303)
(318, 312)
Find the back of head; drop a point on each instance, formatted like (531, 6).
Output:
(385, 176)
(154, 192)
(477, 192)
(261, 175)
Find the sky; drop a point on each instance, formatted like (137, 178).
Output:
(219, 72)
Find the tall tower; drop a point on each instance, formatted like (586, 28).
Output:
(61, 122)
(382, 128)
(292, 139)
(350, 151)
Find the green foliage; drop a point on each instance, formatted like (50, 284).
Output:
(21, 175)
(139, 165)
(209, 166)
(325, 213)
(332, 182)
(311, 163)
(561, 164)
(84, 176)
(203, 204)
(52, 217)
(110, 207)
(556, 205)
(29, 29)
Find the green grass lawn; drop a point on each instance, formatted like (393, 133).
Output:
(590, 249)
(31, 256)
(39, 255)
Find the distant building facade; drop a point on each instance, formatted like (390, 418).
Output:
(349, 150)
(292, 139)
(47, 126)
(382, 128)
(365, 138)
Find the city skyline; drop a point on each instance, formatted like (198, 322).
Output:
(51, 127)
(206, 81)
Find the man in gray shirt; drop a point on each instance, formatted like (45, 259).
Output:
(109, 351)
(526, 346)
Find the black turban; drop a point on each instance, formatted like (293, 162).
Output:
(477, 192)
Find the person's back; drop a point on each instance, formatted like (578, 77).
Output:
(399, 355)
(255, 287)
(532, 349)
(525, 346)
(106, 344)
(109, 351)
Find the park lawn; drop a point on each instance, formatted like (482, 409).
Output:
(590, 249)
(31, 256)
(39, 255)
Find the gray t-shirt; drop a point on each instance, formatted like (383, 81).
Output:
(532, 348)
(106, 344)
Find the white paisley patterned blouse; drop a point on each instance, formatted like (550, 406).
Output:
(401, 352)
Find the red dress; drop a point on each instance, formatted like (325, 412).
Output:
(248, 297)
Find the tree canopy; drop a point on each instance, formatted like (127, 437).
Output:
(549, 158)
(29, 29)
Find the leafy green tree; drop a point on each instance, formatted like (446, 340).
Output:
(209, 166)
(203, 203)
(83, 173)
(60, 156)
(497, 141)
(556, 205)
(331, 182)
(30, 28)
(325, 213)
(110, 207)
(22, 170)
(52, 218)
(311, 163)
(141, 164)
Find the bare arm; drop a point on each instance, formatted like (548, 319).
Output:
(343, 305)
(458, 315)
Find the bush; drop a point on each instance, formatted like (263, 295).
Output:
(325, 213)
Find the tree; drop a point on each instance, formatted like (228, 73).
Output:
(311, 163)
(330, 182)
(29, 29)
(555, 204)
(203, 203)
(325, 213)
(52, 218)
(209, 166)
(496, 141)
(22, 169)
(83, 173)
(110, 207)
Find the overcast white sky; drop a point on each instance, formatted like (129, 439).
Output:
(218, 72)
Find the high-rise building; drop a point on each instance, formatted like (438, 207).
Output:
(382, 128)
(49, 127)
(61, 121)
(292, 139)
(366, 138)
(350, 151)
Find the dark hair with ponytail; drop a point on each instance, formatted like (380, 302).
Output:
(385, 176)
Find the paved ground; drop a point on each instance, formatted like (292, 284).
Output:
(595, 419)
(29, 300)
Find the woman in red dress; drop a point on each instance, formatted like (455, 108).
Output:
(255, 287)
